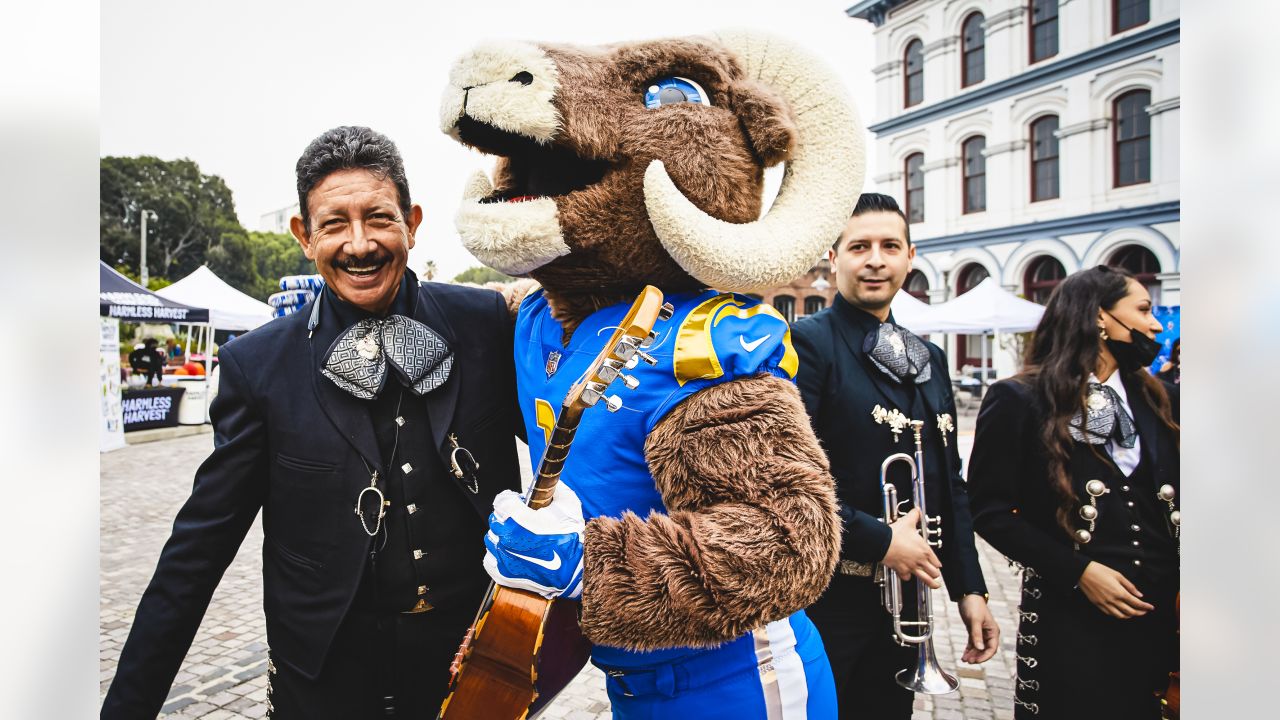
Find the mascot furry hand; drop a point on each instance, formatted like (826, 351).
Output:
(711, 512)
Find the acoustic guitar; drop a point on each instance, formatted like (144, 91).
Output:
(523, 649)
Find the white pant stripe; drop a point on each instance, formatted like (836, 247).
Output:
(782, 671)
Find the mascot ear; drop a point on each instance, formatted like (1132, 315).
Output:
(766, 118)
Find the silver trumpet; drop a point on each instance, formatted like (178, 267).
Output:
(927, 676)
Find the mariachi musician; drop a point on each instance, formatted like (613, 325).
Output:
(862, 378)
(1074, 475)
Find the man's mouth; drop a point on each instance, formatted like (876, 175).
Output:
(362, 267)
(533, 171)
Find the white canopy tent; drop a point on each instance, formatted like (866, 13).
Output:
(988, 309)
(920, 317)
(229, 309)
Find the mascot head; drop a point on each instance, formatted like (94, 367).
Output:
(643, 163)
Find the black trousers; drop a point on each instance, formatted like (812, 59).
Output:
(1076, 662)
(405, 656)
(858, 635)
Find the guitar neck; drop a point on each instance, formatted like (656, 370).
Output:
(548, 476)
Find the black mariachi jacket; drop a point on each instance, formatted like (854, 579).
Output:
(840, 388)
(1014, 505)
(290, 442)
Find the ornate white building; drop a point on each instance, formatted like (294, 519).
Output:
(1028, 140)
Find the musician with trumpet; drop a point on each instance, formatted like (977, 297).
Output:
(864, 380)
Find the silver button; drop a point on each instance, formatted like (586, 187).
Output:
(1124, 488)
(1137, 563)
(417, 554)
(1136, 543)
(412, 508)
(407, 468)
(1134, 528)
(1130, 503)
(422, 589)
(400, 421)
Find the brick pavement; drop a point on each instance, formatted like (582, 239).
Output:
(224, 674)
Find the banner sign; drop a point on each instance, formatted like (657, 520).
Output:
(112, 414)
(151, 408)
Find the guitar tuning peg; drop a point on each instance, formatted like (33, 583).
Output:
(613, 403)
(649, 359)
(632, 362)
(666, 311)
(649, 339)
(629, 381)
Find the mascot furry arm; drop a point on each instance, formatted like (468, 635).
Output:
(602, 186)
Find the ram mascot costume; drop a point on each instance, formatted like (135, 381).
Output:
(700, 520)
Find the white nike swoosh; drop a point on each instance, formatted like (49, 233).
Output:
(553, 564)
(751, 346)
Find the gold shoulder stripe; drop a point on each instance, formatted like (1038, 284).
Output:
(695, 354)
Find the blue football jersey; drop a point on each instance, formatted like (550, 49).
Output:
(711, 338)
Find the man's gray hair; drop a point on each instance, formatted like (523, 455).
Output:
(346, 148)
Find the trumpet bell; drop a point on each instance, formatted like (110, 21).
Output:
(927, 676)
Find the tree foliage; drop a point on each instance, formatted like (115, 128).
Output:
(195, 224)
(194, 211)
(481, 275)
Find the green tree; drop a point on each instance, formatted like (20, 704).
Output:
(194, 212)
(481, 275)
(254, 262)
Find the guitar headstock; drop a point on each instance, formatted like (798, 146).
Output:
(623, 351)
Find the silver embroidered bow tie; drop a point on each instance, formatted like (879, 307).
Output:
(1104, 418)
(898, 353)
(358, 360)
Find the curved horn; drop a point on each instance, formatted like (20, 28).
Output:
(820, 186)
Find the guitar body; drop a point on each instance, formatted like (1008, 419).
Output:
(523, 651)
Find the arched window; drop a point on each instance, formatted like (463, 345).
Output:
(917, 286)
(970, 276)
(1126, 14)
(975, 174)
(1044, 158)
(1142, 263)
(1043, 275)
(1132, 150)
(973, 43)
(913, 60)
(786, 306)
(914, 171)
(813, 304)
(1044, 29)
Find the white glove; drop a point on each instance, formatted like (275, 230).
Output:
(536, 550)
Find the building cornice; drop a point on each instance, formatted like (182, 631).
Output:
(1004, 148)
(874, 11)
(1086, 126)
(1094, 222)
(1126, 47)
(1156, 108)
(1012, 16)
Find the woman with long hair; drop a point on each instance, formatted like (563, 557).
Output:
(1074, 476)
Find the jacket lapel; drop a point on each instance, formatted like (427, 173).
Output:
(1149, 426)
(894, 396)
(442, 401)
(349, 414)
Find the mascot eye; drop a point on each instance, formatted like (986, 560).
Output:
(672, 90)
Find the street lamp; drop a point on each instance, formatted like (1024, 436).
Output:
(143, 273)
(821, 284)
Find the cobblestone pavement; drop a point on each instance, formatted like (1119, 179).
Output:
(224, 674)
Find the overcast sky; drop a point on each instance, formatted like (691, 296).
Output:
(242, 86)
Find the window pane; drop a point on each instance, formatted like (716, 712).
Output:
(915, 187)
(1131, 14)
(1044, 158)
(813, 304)
(786, 306)
(914, 61)
(1133, 138)
(1044, 29)
(973, 42)
(975, 175)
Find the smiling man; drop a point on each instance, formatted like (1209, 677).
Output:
(373, 429)
(857, 369)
